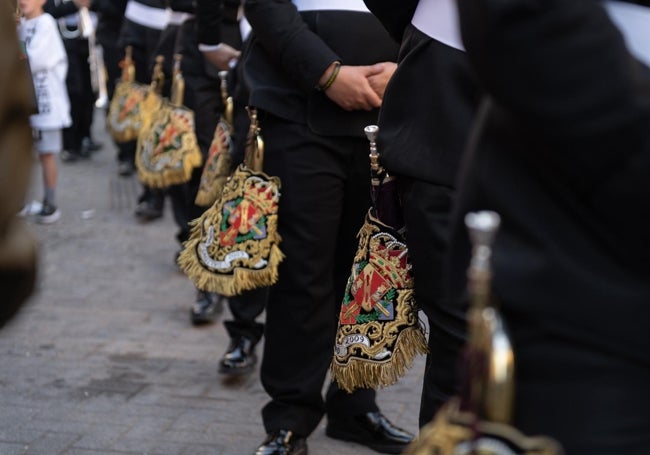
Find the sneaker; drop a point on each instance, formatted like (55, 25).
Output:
(145, 211)
(48, 214)
(89, 146)
(31, 208)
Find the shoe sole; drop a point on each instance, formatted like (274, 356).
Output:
(236, 372)
(301, 451)
(347, 437)
(147, 217)
(196, 320)
(49, 219)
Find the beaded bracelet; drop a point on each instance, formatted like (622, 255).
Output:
(331, 79)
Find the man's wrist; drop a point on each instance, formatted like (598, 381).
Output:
(329, 77)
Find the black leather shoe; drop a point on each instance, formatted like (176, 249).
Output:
(89, 146)
(240, 358)
(372, 430)
(283, 442)
(207, 307)
(146, 211)
(125, 168)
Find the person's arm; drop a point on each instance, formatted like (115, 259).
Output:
(45, 50)
(209, 19)
(301, 53)
(281, 31)
(65, 8)
(562, 71)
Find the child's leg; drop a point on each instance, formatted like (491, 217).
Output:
(48, 144)
(50, 174)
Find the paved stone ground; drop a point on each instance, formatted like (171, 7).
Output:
(103, 359)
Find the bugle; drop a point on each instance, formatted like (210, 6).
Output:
(98, 73)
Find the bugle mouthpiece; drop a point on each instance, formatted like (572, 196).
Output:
(371, 132)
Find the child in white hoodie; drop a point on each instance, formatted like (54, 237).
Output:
(49, 65)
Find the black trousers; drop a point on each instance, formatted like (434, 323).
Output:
(113, 53)
(325, 195)
(82, 98)
(245, 309)
(427, 208)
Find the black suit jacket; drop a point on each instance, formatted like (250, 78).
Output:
(291, 50)
(563, 155)
(59, 8)
(111, 16)
(429, 104)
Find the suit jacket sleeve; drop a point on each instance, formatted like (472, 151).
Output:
(395, 16)
(286, 38)
(208, 14)
(60, 10)
(562, 71)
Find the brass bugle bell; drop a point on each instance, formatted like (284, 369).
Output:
(228, 103)
(158, 75)
(254, 154)
(479, 421)
(492, 386)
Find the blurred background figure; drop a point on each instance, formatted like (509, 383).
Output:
(75, 24)
(48, 63)
(562, 152)
(144, 21)
(17, 103)
(110, 16)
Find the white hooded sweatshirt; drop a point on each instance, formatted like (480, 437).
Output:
(49, 64)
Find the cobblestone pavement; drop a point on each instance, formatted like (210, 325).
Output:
(103, 358)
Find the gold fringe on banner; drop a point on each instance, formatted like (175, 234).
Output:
(125, 118)
(218, 164)
(233, 246)
(217, 167)
(167, 150)
(379, 333)
(133, 103)
(364, 373)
